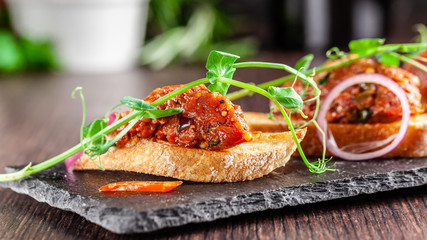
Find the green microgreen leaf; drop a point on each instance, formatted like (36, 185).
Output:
(388, 59)
(287, 97)
(94, 127)
(365, 46)
(149, 110)
(161, 113)
(136, 104)
(304, 62)
(220, 64)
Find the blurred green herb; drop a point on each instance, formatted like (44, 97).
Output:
(187, 30)
(21, 54)
(390, 54)
(304, 62)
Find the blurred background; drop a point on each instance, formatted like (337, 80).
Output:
(116, 48)
(109, 36)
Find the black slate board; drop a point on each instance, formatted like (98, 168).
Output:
(202, 202)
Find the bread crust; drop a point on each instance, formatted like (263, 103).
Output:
(413, 145)
(245, 161)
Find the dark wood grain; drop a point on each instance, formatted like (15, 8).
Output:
(399, 214)
(38, 119)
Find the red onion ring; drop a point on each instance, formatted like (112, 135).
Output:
(112, 118)
(69, 162)
(363, 78)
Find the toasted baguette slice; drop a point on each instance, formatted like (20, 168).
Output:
(413, 145)
(245, 161)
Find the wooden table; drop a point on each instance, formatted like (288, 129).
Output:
(38, 119)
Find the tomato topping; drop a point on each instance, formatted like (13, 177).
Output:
(365, 102)
(208, 121)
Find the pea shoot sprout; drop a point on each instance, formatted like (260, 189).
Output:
(221, 67)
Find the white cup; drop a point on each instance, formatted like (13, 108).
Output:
(90, 36)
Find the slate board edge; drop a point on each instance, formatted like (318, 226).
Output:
(123, 221)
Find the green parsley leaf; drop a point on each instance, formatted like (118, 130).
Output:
(220, 64)
(136, 104)
(286, 96)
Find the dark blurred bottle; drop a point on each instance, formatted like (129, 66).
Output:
(319, 24)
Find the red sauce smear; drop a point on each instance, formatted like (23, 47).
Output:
(208, 121)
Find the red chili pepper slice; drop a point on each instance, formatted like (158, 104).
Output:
(141, 186)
